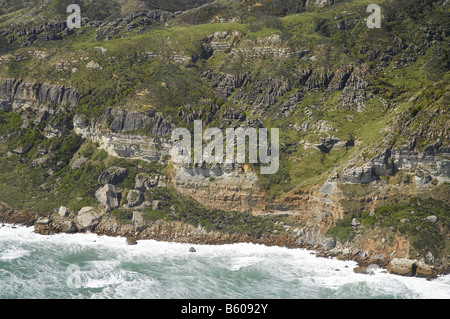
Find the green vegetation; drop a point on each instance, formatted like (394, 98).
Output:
(278, 63)
(409, 219)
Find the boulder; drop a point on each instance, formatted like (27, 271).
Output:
(411, 268)
(156, 204)
(68, 227)
(144, 182)
(63, 212)
(131, 241)
(43, 221)
(360, 270)
(135, 198)
(138, 221)
(432, 219)
(107, 196)
(370, 270)
(88, 218)
(329, 244)
(78, 162)
(113, 175)
(192, 250)
(402, 266)
(424, 270)
(355, 223)
(21, 150)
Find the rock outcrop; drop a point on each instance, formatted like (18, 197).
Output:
(431, 162)
(125, 121)
(410, 268)
(113, 175)
(229, 187)
(107, 196)
(88, 218)
(16, 94)
(121, 144)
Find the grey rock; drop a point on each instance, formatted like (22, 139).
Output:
(68, 226)
(63, 212)
(78, 162)
(329, 244)
(131, 241)
(43, 221)
(432, 219)
(138, 221)
(135, 198)
(327, 188)
(107, 196)
(429, 256)
(355, 223)
(113, 175)
(156, 204)
(127, 121)
(88, 218)
(144, 182)
(21, 150)
(19, 91)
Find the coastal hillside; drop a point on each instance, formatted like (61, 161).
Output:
(86, 117)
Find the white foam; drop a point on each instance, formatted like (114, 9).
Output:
(13, 253)
(173, 271)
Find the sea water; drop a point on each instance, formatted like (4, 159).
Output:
(86, 266)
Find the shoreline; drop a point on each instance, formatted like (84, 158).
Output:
(110, 228)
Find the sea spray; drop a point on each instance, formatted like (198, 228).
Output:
(91, 266)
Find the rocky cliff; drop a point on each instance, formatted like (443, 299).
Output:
(17, 94)
(363, 116)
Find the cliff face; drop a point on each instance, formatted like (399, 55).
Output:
(227, 187)
(363, 117)
(431, 163)
(16, 94)
(123, 145)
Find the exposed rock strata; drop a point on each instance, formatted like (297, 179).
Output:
(18, 94)
(431, 162)
(229, 187)
(131, 146)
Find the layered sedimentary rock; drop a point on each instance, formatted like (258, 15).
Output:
(16, 94)
(131, 146)
(228, 187)
(432, 162)
(314, 212)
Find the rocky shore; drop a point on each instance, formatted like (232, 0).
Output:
(179, 232)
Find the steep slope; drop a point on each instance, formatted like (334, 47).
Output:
(363, 117)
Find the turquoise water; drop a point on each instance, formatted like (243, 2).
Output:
(89, 266)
